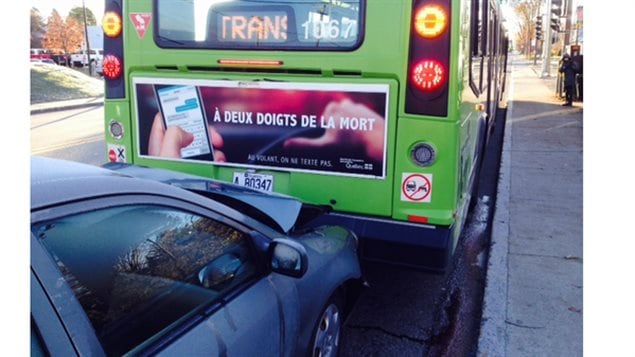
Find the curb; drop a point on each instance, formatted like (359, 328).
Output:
(66, 105)
(492, 337)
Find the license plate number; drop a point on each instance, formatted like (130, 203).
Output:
(256, 181)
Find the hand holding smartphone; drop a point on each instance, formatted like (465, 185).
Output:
(181, 106)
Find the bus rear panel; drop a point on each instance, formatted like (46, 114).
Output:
(365, 106)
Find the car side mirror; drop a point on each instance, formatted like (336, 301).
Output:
(287, 257)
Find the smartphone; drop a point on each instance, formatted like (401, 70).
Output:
(181, 105)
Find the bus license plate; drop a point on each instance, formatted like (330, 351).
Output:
(256, 181)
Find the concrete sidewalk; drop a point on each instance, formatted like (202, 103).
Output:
(533, 295)
(66, 105)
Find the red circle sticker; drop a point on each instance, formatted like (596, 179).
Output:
(416, 187)
(112, 155)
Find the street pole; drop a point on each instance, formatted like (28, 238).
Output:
(528, 43)
(90, 68)
(537, 41)
(567, 27)
(546, 54)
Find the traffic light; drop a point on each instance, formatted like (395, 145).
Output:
(555, 24)
(539, 28)
(556, 12)
(556, 7)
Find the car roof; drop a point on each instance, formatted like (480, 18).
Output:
(55, 182)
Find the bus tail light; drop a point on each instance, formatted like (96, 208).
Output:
(428, 75)
(111, 24)
(112, 64)
(418, 219)
(112, 67)
(429, 58)
(430, 21)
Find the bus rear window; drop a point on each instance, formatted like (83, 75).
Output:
(260, 24)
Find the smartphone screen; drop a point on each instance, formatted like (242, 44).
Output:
(181, 106)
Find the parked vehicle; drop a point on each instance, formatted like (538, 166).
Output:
(131, 260)
(49, 56)
(44, 60)
(80, 59)
(99, 67)
(61, 59)
(40, 53)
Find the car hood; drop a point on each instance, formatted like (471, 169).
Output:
(281, 212)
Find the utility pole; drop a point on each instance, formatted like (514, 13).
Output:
(538, 35)
(546, 44)
(90, 68)
(568, 28)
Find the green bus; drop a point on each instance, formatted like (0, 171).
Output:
(378, 109)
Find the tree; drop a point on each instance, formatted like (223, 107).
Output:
(527, 11)
(62, 35)
(37, 28)
(77, 13)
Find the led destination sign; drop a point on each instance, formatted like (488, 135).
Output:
(261, 27)
(280, 26)
(263, 24)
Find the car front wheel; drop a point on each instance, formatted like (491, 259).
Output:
(326, 335)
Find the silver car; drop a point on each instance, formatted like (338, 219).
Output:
(131, 260)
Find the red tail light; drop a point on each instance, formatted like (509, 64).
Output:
(428, 75)
(429, 58)
(418, 219)
(112, 67)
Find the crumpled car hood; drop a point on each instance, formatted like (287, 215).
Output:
(281, 212)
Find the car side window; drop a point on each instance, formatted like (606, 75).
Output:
(139, 269)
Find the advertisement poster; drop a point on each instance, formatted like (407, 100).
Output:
(337, 129)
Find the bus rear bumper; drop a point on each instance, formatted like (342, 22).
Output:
(418, 246)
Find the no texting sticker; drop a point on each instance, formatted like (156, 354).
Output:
(416, 187)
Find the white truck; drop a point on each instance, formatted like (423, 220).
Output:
(80, 59)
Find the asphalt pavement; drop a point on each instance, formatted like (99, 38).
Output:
(534, 288)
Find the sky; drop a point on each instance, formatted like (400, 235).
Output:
(64, 6)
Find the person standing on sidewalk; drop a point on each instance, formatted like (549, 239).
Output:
(568, 68)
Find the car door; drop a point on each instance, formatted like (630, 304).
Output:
(48, 337)
(156, 275)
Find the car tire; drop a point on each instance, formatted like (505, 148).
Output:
(328, 328)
